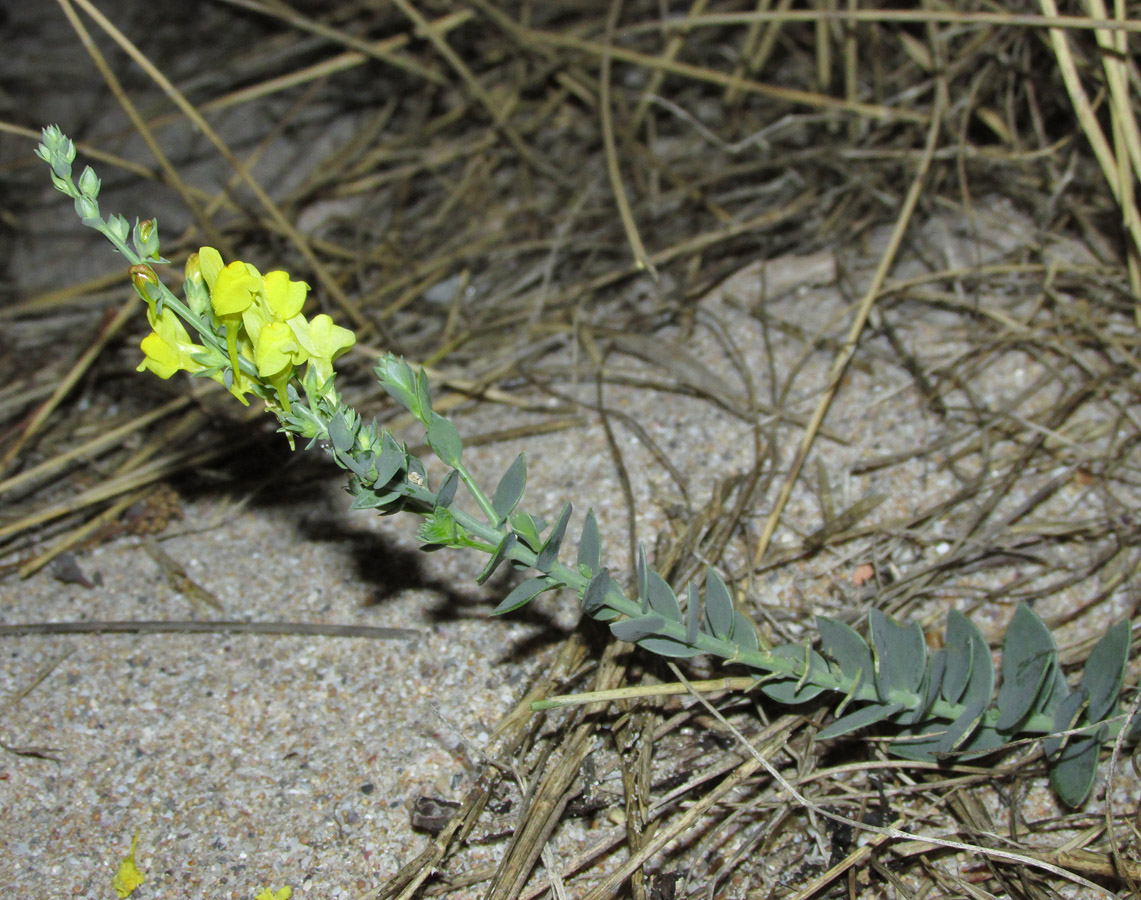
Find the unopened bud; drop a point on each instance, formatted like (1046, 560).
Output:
(89, 183)
(87, 210)
(143, 277)
(146, 238)
(197, 294)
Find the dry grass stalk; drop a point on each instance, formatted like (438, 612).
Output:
(717, 136)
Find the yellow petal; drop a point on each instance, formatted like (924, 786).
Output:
(322, 337)
(284, 297)
(210, 263)
(276, 349)
(128, 877)
(161, 358)
(235, 288)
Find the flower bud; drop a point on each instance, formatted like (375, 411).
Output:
(89, 183)
(146, 238)
(143, 277)
(88, 211)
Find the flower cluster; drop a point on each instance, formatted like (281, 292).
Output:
(261, 336)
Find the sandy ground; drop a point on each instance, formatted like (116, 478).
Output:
(246, 761)
(243, 761)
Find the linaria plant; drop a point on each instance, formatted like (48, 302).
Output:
(248, 332)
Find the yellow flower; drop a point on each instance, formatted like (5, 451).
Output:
(276, 352)
(323, 340)
(128, 877)
(283, 296)
(210, 265)
(263, 323)
(276, 349)
(235, 288)
(168, 348)
(266, 894)
(232, 292)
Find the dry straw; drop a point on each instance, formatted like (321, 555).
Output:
(733, 133)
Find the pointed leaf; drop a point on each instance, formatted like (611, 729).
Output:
(549, 555)
(983, 742)
(423, 397)
(594, 597)
(918, 742)
(638, 628)
(590, 544)
(718, 606)
(1104, 671)
(1065, 718)
(527, 528)
(447, 492)
(668, 647)
(662, 599)
(900, 653)
(505, 545)
(390, 461)
(1028, 654)
(962, 729)
(340, 435)
(1072, 774)
(861, 718)
(445, 440)
(745, 632)
(509, 491)
(845, 645)
(965, 648)
(928, 690)
(523, 594)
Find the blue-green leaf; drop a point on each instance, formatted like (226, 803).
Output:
(796, 690)
(505, 545)
(1028, 657)
(527, 528)
(969, 663)
(900, 654)
(395, 376)
(929, 691)
(663, 646)
(594, 597)
(718, 606)
(662, 599)
(1065, 718)
(445, 440)
(861, 718)
(423, 397)
(846, 646)
(523, 594)
(509, 491)
(390, 461)
(638, 628)
(918, 742)
(447, 492)
(1072, 773)
(340, 434)
(590, 544)
(744, 632)
(642, 570)
(962, 729)
(1104, 671)
(549, 555)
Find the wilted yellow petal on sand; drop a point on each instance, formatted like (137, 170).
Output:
(128, 877)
